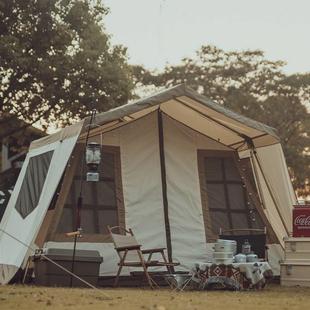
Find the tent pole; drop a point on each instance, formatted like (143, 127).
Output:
(164, 183)
(80, 201)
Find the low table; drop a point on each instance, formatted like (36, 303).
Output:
(235, 275)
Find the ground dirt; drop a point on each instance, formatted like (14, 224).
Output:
(17, 297)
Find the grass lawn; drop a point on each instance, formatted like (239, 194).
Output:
(30, 297)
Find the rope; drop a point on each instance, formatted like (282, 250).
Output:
(56, 264)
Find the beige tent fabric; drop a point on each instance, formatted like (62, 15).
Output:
(273, 165)
(219, 117)
(271, 210)
(188, 107)
(141, 177)
(13, 250)
(7, 272)
(143, 106)
(140, 166)
(214, 124)
(207, 127)
(275, 170)
(186, 218)
(60, 135)
(183, 191)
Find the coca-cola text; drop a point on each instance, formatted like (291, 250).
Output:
(302, 220)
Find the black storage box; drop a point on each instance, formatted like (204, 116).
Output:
(86, 266)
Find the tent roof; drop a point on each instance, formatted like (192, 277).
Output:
(193, 110)
(175, 92)
(197, 109)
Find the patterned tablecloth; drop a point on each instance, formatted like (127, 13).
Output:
(236, 275)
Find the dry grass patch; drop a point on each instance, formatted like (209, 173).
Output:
(17, 297)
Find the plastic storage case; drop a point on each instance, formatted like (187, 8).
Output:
(86, 266)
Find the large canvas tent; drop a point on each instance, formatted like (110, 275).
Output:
(176, 167)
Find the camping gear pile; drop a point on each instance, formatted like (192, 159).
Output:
(240, 271)
(225, 252)
(295, 269)
(236, 276)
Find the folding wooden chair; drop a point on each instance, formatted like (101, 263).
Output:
(131, 254)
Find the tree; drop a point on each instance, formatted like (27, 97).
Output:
(251, 85)
(57, 63)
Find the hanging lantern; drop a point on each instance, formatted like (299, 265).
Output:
(93, 158)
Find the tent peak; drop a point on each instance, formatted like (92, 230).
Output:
(174, 92)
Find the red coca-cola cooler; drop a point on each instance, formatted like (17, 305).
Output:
(301, 221)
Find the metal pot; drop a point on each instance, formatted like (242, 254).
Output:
(223, 245)
(252, 258)
(223, 255)
(240, 258)
(225, 261)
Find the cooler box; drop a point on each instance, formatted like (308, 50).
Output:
(296, 274)
(86, 266)
(301, 221)
(297, 249)
(295, 270)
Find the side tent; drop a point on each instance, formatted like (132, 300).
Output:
(175, 168)
(32, 195)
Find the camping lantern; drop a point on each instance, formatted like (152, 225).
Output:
(93, 158)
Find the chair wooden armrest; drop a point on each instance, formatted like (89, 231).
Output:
(152, 263)
(156, 250)
(128, 248)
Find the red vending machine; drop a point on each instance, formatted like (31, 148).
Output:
(301, 221)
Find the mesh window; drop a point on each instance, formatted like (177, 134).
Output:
(216, 196)
(100, 204)
(236, 196)
(256, 220)
(107, 217)
(219, 220)
(227, 199)
(107, 165)
(213, 169)
(65, 224)
(88, 220)
(231, 171)
(106, 194)
(33, 183)
(240, 220)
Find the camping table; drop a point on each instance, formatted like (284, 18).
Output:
(235, 275)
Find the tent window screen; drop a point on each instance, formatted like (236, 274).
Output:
(226, 195)
(33, 183)
(101, 200)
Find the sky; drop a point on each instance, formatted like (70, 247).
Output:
(157, 32)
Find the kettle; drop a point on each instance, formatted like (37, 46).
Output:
(246, 247)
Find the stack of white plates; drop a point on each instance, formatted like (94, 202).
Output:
(223, 257)
(224, 251)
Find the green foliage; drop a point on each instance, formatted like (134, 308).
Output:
(251, 85)
(56, 62)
